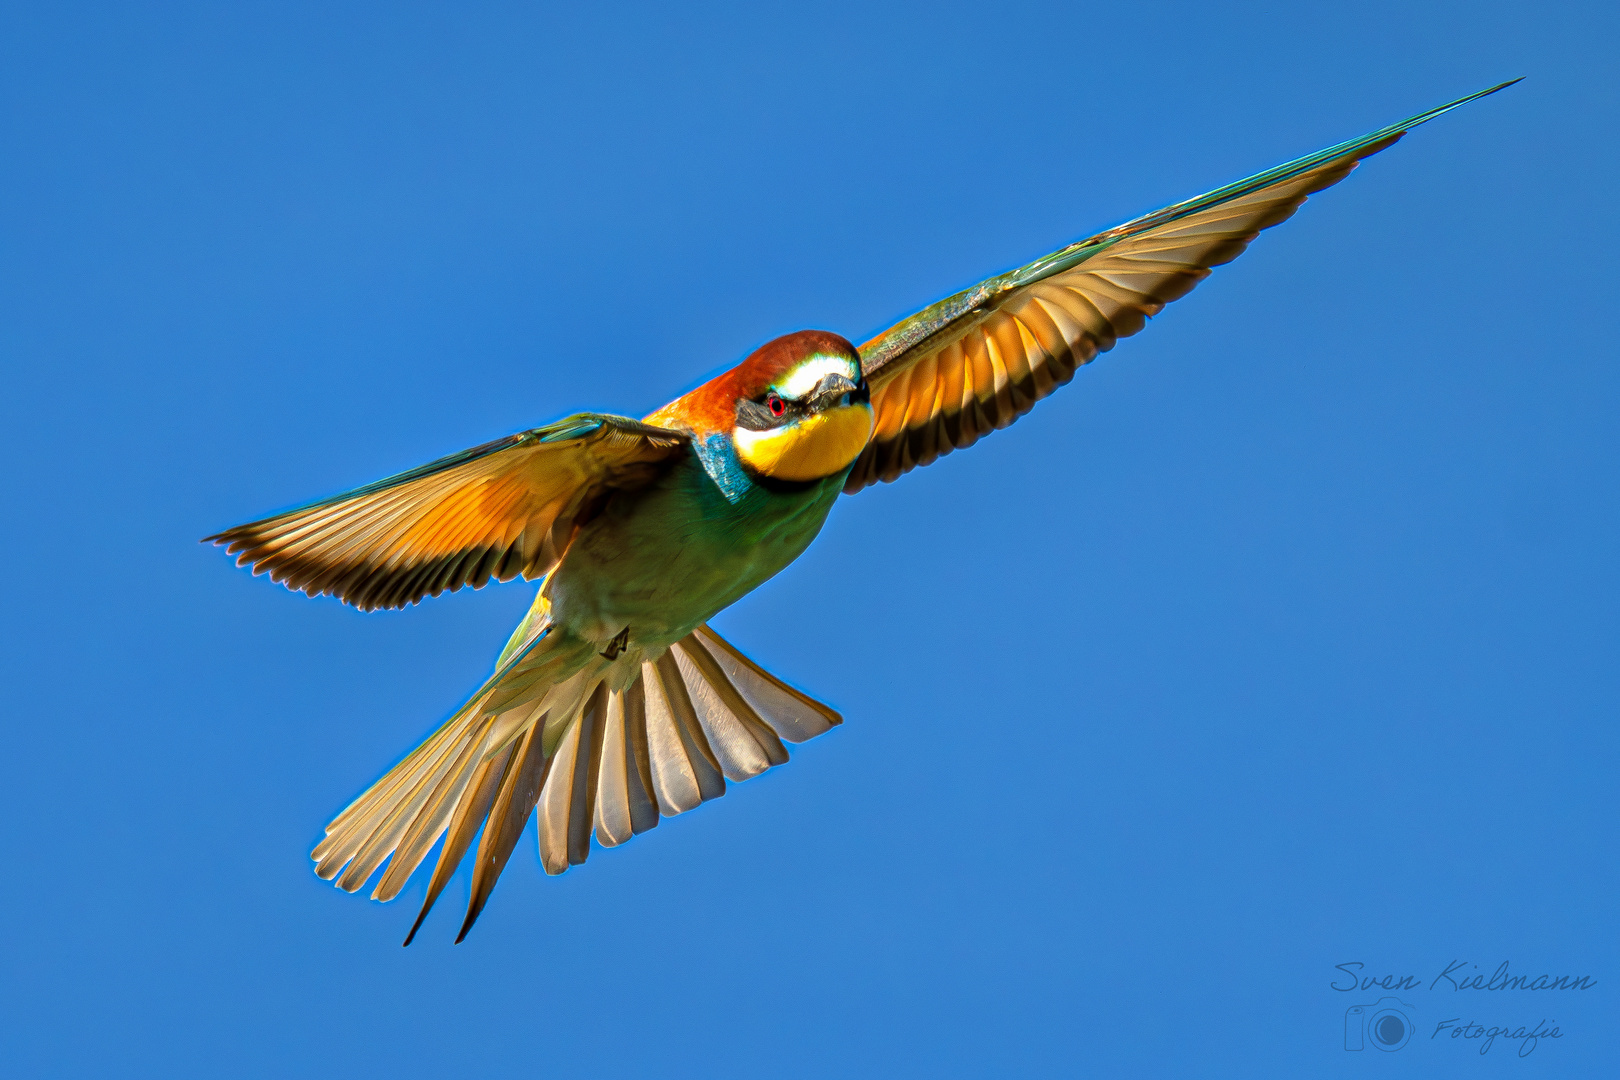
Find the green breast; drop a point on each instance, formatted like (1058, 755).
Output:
(668, 558)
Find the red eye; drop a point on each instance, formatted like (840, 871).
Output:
(776, 405)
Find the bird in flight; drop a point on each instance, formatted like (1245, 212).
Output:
(614, 703)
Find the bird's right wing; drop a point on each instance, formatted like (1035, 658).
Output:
(496, 511)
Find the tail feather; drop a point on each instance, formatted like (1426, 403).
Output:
(471, 809)
(625, 803)
(407, 809)
(513, 803)
(792, 715)
(685, 772)
(367, 815)
(742, 742)
(430, 822)
(543, 737)
(564, 813)
(364, 807)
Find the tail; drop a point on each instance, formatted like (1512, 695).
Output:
(591, 759)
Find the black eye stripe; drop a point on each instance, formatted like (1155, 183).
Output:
(755, 416)
(760, 414)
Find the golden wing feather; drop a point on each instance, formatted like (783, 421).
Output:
(496, 511)
(974, 362)
(986, 369)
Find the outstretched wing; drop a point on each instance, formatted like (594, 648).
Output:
(496, 511)
(979, 360)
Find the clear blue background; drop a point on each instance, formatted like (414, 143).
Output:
(1283, 638)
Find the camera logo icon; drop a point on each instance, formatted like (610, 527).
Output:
(1386, 1024)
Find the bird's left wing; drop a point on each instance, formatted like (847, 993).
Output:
(979, 360)
(506, 508)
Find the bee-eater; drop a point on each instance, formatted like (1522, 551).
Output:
(613, 702)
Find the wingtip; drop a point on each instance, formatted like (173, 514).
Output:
(1425, 117)
(1489, 91)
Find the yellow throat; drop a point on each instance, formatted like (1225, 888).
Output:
(813, 448)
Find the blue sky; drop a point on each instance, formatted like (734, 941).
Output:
(1283, 638)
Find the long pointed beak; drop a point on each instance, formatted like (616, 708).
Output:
(835, 390)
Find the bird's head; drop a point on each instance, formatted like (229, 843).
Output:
(797, 410)
(802, 410)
